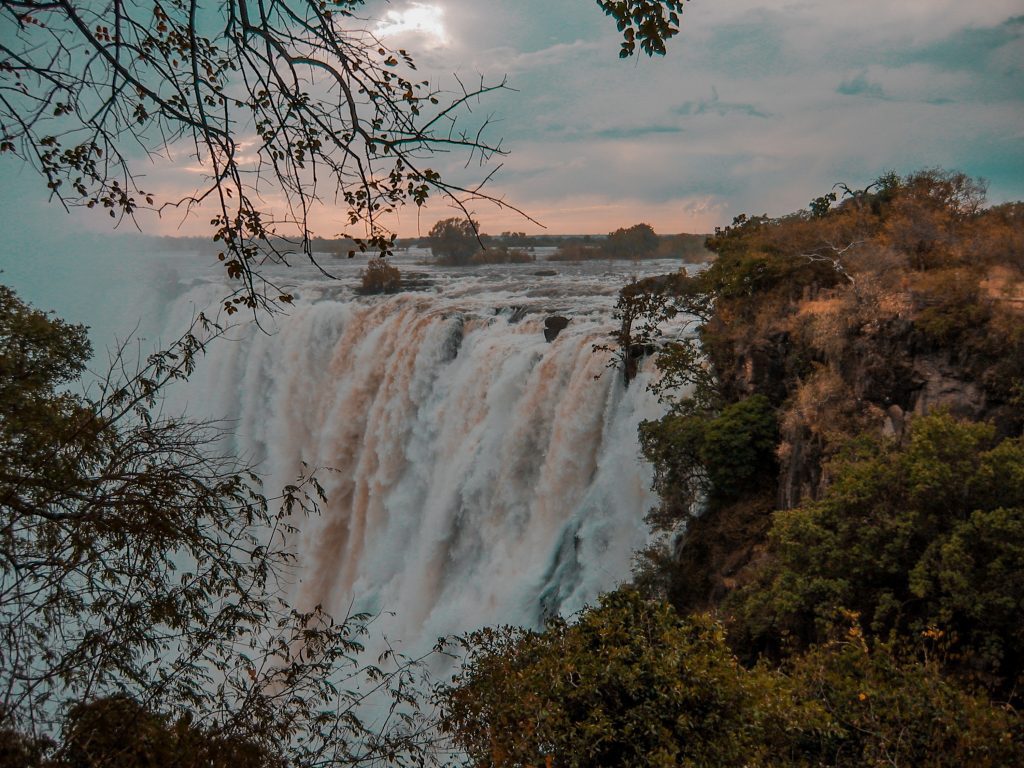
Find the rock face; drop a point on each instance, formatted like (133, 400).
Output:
(873, 377)
(553, 326)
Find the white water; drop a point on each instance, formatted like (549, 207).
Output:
(477, 474)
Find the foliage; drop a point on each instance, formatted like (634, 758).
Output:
(631, 683)
(915, 538)
(501, 254)
(721, 456)
(87, 86)
(951, 306)
(652, 22)
(136, 560)
(454, 240)
(628, 683)
(642, 307)
(380, 277)
(636, 242)
(689, 248)
(118, 731)
(577, 252)
(871, 706)
(738, 446)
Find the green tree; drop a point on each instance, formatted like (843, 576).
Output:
(628, 683)
(455, 240)
(914, 539)
(870, 705)
(380, 277)
(636, 242)
(136, 560)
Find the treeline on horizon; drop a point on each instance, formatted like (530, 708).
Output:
(689, 247)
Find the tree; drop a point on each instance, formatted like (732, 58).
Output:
(629, 683)
(137, 561)
(455, 240)
(85, 87)
(914, 539)
(380, 277)
(334, 111)
(636, 242)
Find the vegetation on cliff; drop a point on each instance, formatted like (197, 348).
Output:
(631, 682)
(841, 526)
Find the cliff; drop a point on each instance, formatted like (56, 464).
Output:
(903, 300)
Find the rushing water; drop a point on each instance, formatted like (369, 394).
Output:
(476, 473)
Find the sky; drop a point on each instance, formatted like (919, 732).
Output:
(758, 107)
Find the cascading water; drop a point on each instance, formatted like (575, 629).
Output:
(476, 474)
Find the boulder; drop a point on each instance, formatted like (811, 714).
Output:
(553, 326)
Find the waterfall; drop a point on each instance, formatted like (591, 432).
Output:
(476, 474)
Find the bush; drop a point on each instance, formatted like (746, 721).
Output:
(380, 277)
(738, 447)
(577, 252)
(951, 306)
(918, 538)
(636, 242)
(630, 683)
(720, 456)
(454, 241)
(501, 254)
(885, 709)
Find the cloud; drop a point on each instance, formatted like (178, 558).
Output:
(998, 48)
(756, 107)
(861, 86)
(716, 106)
(420, 19)
(636, 132)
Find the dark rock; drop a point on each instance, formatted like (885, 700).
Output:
(546, 273)
(517, 314)
(554, 326)
(456, 332)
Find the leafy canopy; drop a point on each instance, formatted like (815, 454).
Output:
(920, 539)
(140, 565)
(631, 683)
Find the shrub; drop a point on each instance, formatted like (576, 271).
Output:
(501, 254)
(886, 709)
(636, 242)
(453, 241)
(380, 277)
(738, 447)
(922, 537)
(950, 304)
(721, 456)
(629, 683)
(577, 252)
